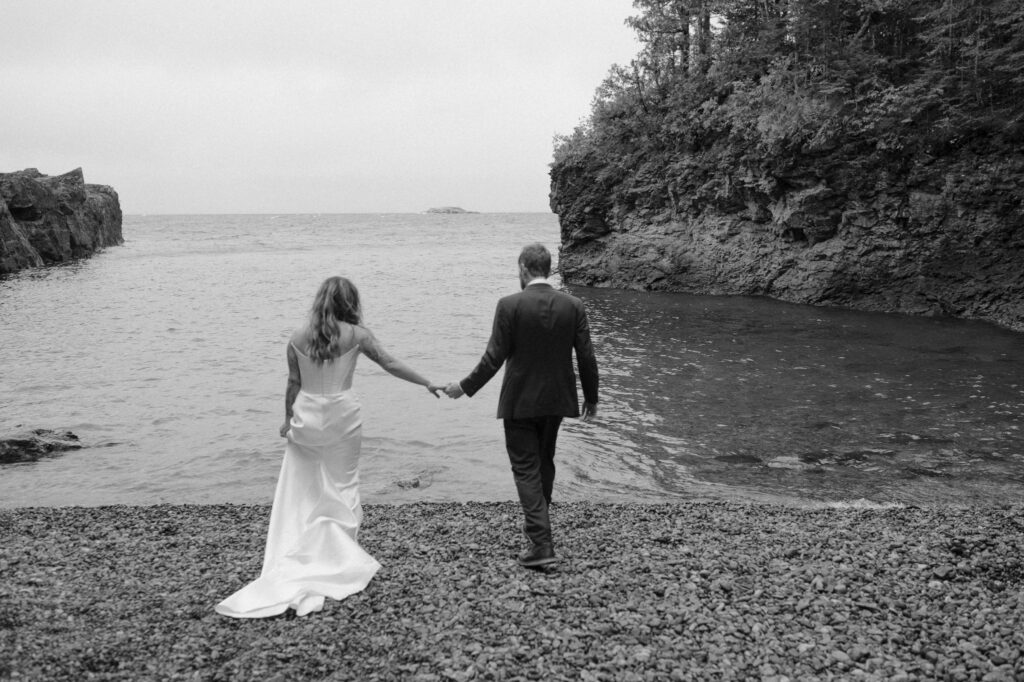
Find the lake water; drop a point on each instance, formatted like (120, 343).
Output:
(167, 357)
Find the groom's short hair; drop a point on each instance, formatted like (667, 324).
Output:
(536, 259)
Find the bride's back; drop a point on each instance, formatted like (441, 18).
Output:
(333, 375)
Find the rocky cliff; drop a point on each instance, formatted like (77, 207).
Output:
(921, 235)
(46, 219)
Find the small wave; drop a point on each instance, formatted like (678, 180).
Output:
(863, 504)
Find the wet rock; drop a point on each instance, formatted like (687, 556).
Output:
(46, 219)
(820, 235)
(31, 446)
(739, 459)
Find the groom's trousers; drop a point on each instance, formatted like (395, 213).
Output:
(531, 452)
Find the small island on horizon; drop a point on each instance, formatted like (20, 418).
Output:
(448, 209)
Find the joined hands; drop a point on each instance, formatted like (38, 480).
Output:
(452, 390)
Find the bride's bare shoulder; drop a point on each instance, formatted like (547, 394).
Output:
(299, 338)
(361, 334)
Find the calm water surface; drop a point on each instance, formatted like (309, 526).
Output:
(166, 356)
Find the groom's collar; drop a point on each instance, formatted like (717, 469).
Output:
(538, 280)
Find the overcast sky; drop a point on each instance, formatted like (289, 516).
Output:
(267, 106)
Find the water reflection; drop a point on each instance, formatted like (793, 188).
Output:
(749, 397)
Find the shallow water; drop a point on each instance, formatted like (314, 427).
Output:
(166, 356)
(818, 404)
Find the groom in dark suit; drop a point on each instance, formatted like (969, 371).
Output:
(535, 333)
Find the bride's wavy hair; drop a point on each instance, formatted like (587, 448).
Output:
(337, 300)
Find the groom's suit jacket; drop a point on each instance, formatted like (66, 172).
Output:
(535, 333)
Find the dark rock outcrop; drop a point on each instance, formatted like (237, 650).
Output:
(940, 236)
(31, 446)
(52, 219)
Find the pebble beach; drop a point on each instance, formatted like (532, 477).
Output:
(682, 591)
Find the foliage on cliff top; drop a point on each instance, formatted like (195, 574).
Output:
(746, 92)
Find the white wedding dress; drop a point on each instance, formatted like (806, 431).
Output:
(311, 550)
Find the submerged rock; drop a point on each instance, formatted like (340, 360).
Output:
(52, 219)
(31, 446)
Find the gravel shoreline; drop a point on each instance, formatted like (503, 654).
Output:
(684, 591)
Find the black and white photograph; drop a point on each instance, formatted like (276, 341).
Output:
(458, 340)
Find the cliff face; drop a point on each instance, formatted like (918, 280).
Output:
(924, 236)
(46, 219)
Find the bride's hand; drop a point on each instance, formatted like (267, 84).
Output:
(435, 389)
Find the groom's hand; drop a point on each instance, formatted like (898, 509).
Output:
(589, 411)
(454, 390)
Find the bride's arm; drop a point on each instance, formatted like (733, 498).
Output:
(291, 391)
(371, 348)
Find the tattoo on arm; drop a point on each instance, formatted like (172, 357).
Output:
(372, 349)
(294, 382)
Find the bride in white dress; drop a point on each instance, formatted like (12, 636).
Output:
(311, 551)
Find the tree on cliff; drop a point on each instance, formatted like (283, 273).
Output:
(850, 152)
(763, 81)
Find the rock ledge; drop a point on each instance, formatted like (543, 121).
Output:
(38, 443)
(52, 219)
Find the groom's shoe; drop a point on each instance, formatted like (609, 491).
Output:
(540, 555)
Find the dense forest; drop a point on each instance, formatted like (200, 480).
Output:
(779, 126)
